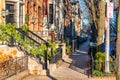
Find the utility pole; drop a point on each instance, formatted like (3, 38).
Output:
(109, 15)
(107, 70)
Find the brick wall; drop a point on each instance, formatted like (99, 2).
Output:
(2, 4)
(35, 9)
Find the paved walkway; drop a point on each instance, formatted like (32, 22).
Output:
(81, 59)
(65, 72)
(76, 70)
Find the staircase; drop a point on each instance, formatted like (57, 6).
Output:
(36, 65)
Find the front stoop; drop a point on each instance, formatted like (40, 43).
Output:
(35, 67)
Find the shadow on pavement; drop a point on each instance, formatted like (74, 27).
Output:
(51, 77)
(81, 60)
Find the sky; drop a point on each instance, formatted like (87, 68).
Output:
(85, 12)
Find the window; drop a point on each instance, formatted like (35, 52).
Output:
(10, 18)
(10, 8)
(51, 13)
(39, 17)
(21, 15)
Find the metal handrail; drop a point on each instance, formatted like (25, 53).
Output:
(37, 36)
(30, 36)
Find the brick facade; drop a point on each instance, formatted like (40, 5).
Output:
(34, 8)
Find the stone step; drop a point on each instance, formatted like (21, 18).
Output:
(19, 76)
(34, 66)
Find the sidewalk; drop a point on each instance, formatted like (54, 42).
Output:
(81, 59)
(65, 72)
(76, 69)
(73, 68)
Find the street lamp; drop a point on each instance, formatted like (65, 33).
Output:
(73, 2)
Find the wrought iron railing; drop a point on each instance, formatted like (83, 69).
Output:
(32, 40)
(56, 57)
(32, 36)
(43, 33)
(36, 37)
(99, 68)
(13, 66)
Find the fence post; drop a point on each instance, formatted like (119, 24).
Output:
(92, 61)
(45, 57)
(11, 41)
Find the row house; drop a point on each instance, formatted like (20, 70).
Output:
(34, 14)
(43, 16)
(53, 15)
(67, 18)
(72, 18)
(57, 18)
(12, 11)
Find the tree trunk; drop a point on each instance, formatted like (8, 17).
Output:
(94, 14)
(101, 23)
(118, 47)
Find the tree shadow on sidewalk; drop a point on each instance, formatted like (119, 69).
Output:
(81, 60)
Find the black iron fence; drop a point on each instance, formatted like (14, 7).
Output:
(13, 66)
(56, 57)
(98, 68)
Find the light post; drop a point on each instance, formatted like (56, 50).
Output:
(73, 2)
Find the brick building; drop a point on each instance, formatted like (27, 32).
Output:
(34, 10)
(12, 11)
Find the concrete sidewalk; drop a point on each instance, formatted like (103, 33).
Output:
(76, 68)
(65, 72)
(81, 59)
